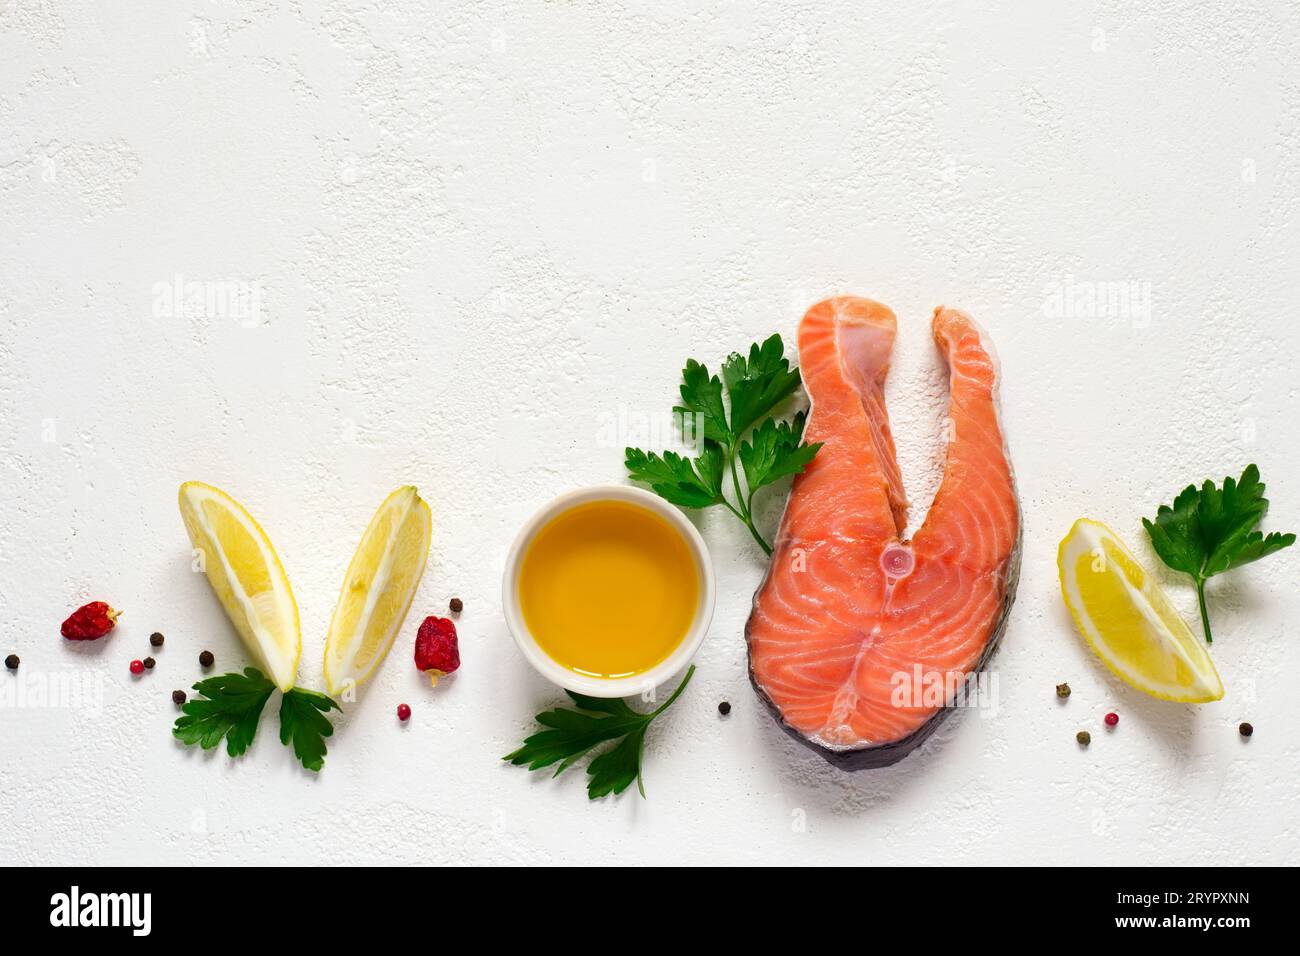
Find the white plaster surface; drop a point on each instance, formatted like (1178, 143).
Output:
(479, 235)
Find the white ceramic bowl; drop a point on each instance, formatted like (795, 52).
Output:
(601, 686)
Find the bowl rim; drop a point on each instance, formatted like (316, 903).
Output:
(557, 673)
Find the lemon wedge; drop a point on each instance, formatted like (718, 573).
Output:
(247, 575)
(378, 589)
(1128, 621)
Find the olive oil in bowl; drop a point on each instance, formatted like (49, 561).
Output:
(609, 590)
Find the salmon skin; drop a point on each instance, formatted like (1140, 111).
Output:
(850, 613)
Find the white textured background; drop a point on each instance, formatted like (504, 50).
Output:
(480, 237)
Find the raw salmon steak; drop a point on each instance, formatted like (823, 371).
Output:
(860, 640)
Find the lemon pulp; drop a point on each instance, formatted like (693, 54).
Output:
(378, 589)
(608, 589)
(247, 576)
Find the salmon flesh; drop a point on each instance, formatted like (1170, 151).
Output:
(860, 640)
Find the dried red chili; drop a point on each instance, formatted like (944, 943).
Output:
(90, 622)
(437, 650)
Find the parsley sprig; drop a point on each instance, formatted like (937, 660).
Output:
(754, 386)
(230, 708)
(1209, 530)
(571, 735)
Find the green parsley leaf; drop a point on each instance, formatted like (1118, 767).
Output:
(775, 452)
(615, 769)
(1176, 533)
(1211, 530)
(689, 483)
(303, 721)
(702, 395)
(572, 734)
(603, 705)
(757, 385)
(231, 711)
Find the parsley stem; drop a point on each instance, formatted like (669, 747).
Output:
(690, 672)
(744, 514)
(767, 548)
(735, 478)
(1205, 615)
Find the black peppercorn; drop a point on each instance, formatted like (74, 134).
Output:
(149, 662)
(1245, 729)
(206, 659)
(11, 662)
(456, 605)
(724, 708)
(178, 697)
(156, 639)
